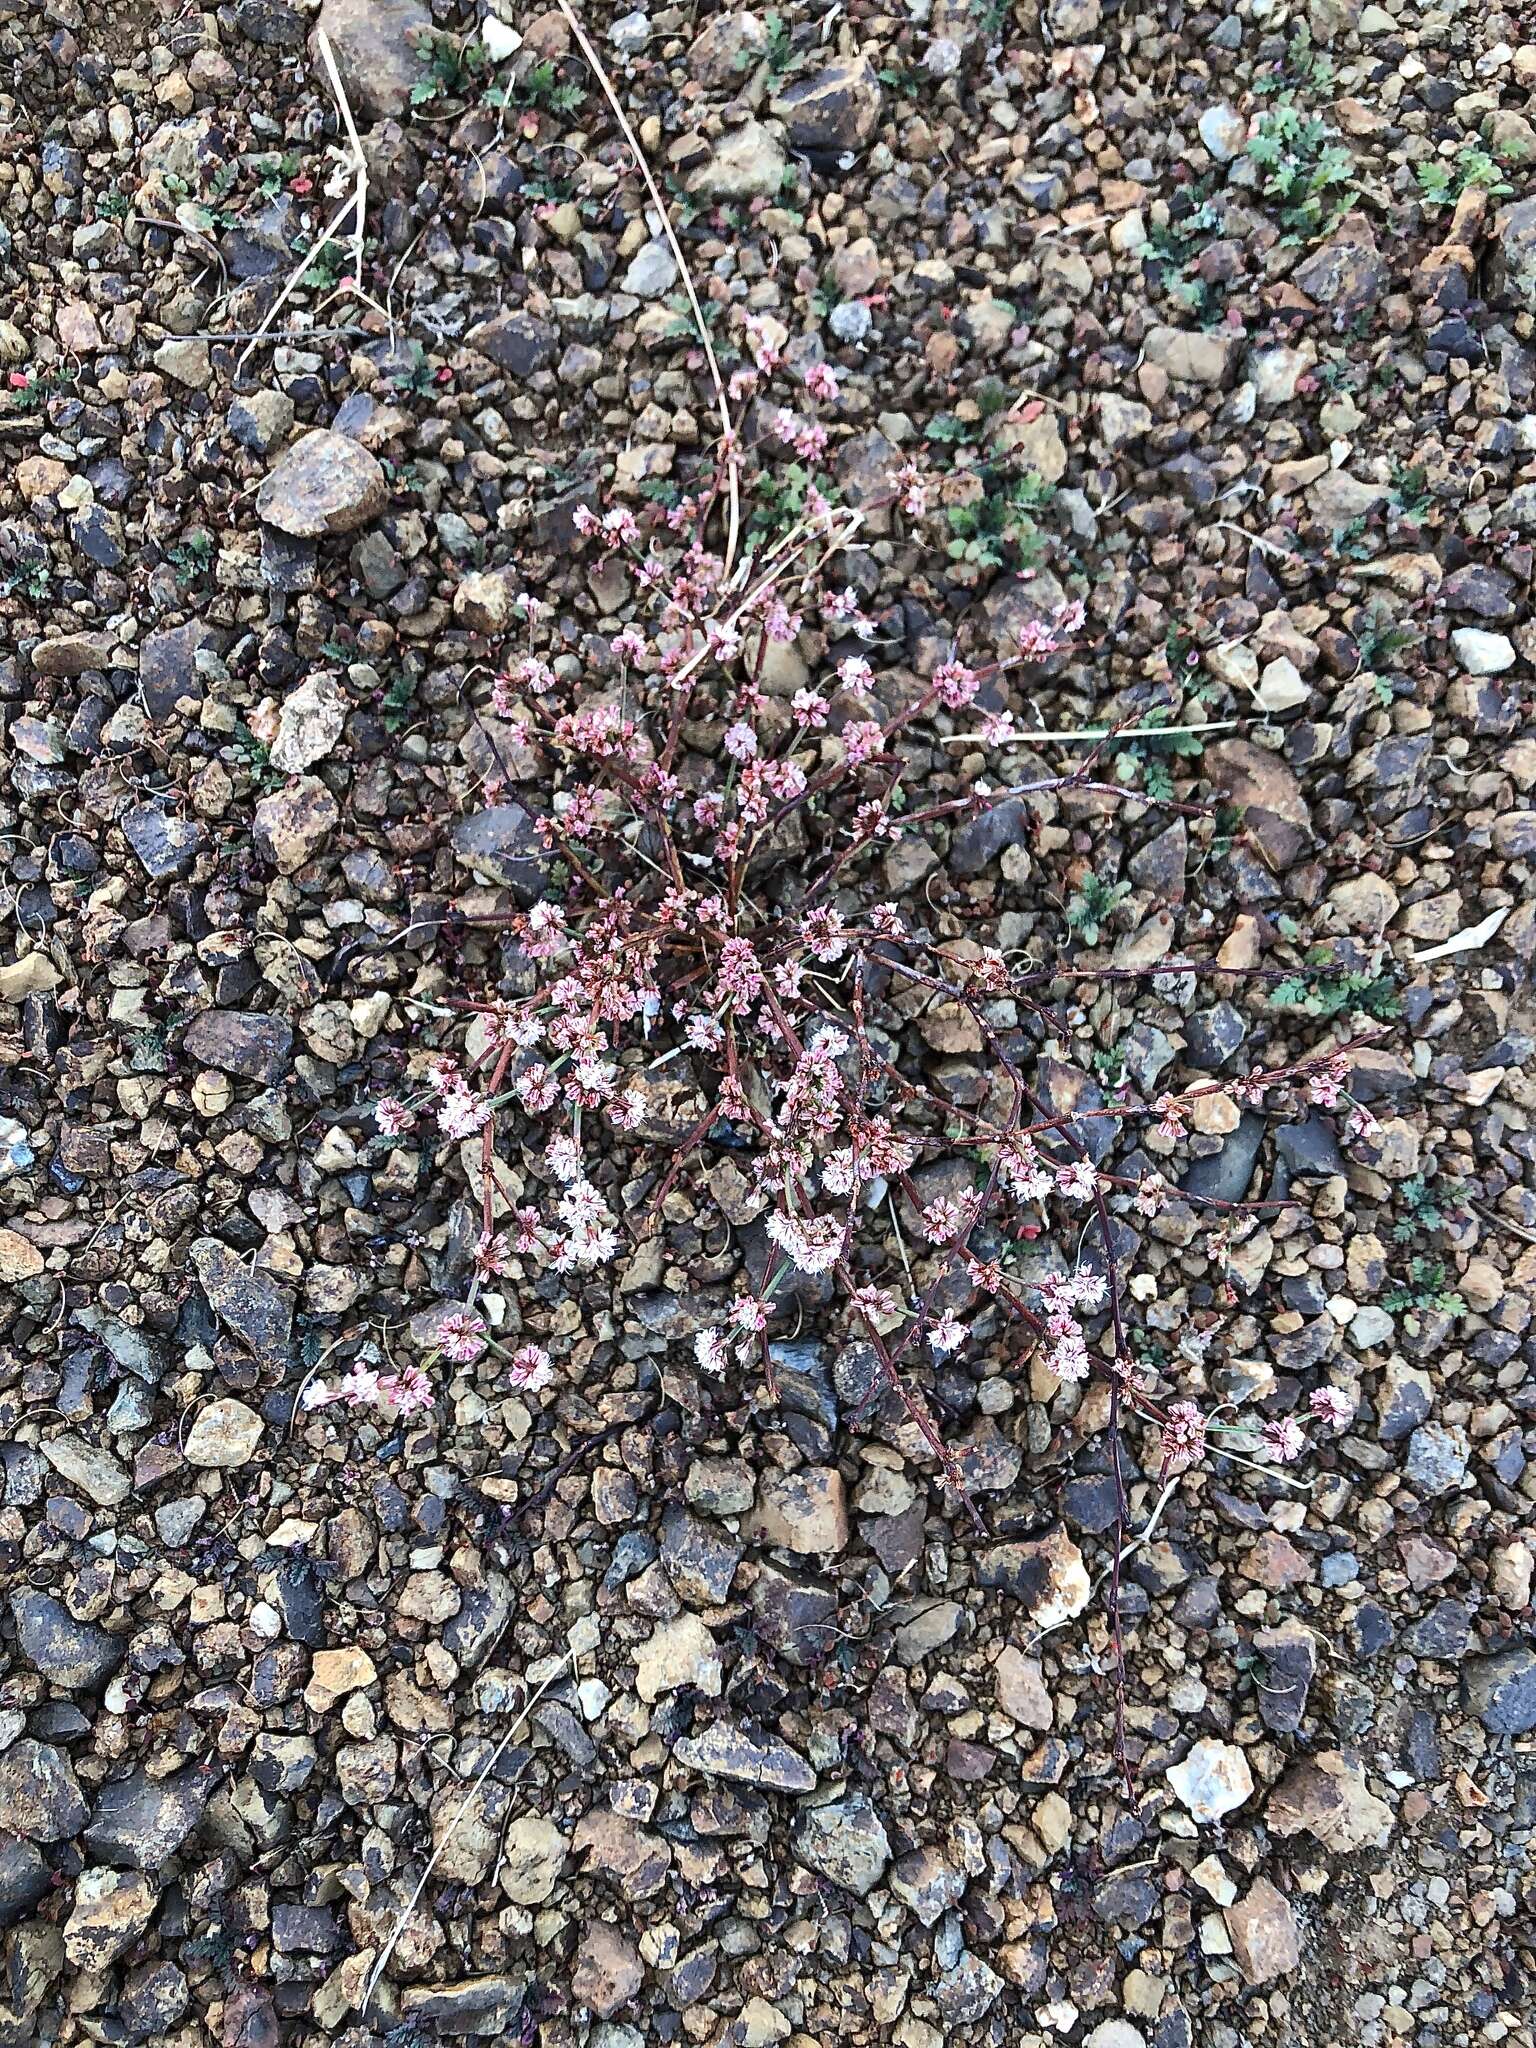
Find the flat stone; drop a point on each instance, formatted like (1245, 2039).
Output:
(844, 1842)
(242, 1042)
(94, 1471)
(20, 1258)
(377, 46)
(724, 1751)
(74, 1655)
(246, 1300)
(1020, 1689)
(39, 1796)
(1264, 788)
(1501, 1689)
(504, 844)
(73, 654)
(1266, 1942)
(325, 483)
(518, 343)
(805, 1512)
(1048, 1575)
(1290, 1664)
(1212, 1780)
(140, 1821)
(746, 163)
(165, 844)
(224, 1435)
(608, 1973)
(533, 1856)
(168, 670)
(1438, 1456)
(290, 826)
(1480, 653)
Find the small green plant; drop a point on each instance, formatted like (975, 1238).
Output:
(191, 558)
(1350, 543)
(540, 86)
(1173, 249)
(1426, 1203)
(1410, 492)
(780, 498)
(112, 205)
(1326, 991)
(1442, 184)
(257, 757)
(1000, 522)
(1150, 756)
(1301, 68)
(990, 400)
(31, 580)
(1092, 904)
(419, 378)
(1308, 171)
(1428, 1287)
(274, 170)
(398, 700)
(1380, 638)
(453, 67)
(778, 48)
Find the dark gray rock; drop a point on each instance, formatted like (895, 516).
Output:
(1212, 1036)
(518, 343)
(140, 1821)
(242, 1042)
(73, 1655)
(504, 845)
(166, 845)
(1290, 1665)
(1224, 1176)
(24, 1879)
(168, 666)
(39, 1796)
(247, 1301)
(1501, 1689)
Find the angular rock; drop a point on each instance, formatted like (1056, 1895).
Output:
(680, 1653)
(74, 1655)
(246, 1300)
(112, 1908)
(378, 46)
(836, 108)
(1265, 790)
(1327, 1797)
(746, 163)
(1048, 1575)
(224, 1435)
(165, 844)
(844, 1842)
(242, 1042)
(1290, 1665)
(1212, 1780)
(723, 1751)
(290, 826)
(1266, 1942)
(325, 483)
(39, 1795)
(518, 343)
(309, 723)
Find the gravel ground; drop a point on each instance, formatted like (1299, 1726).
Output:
(723, 1722)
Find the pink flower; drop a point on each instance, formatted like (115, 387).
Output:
(392, 1117)
(947, 1334)
(809, 708)
(529, 1369)
(1077, 1180)
(955, 684)
(1183, 1437)
(862, 740)
(821, 382)
(1283, 1439)
(711, 1352)
(461, 1336)
(740, 741)
(406, 1392)
(1332, 1407)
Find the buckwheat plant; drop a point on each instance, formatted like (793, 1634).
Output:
(711, 924)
